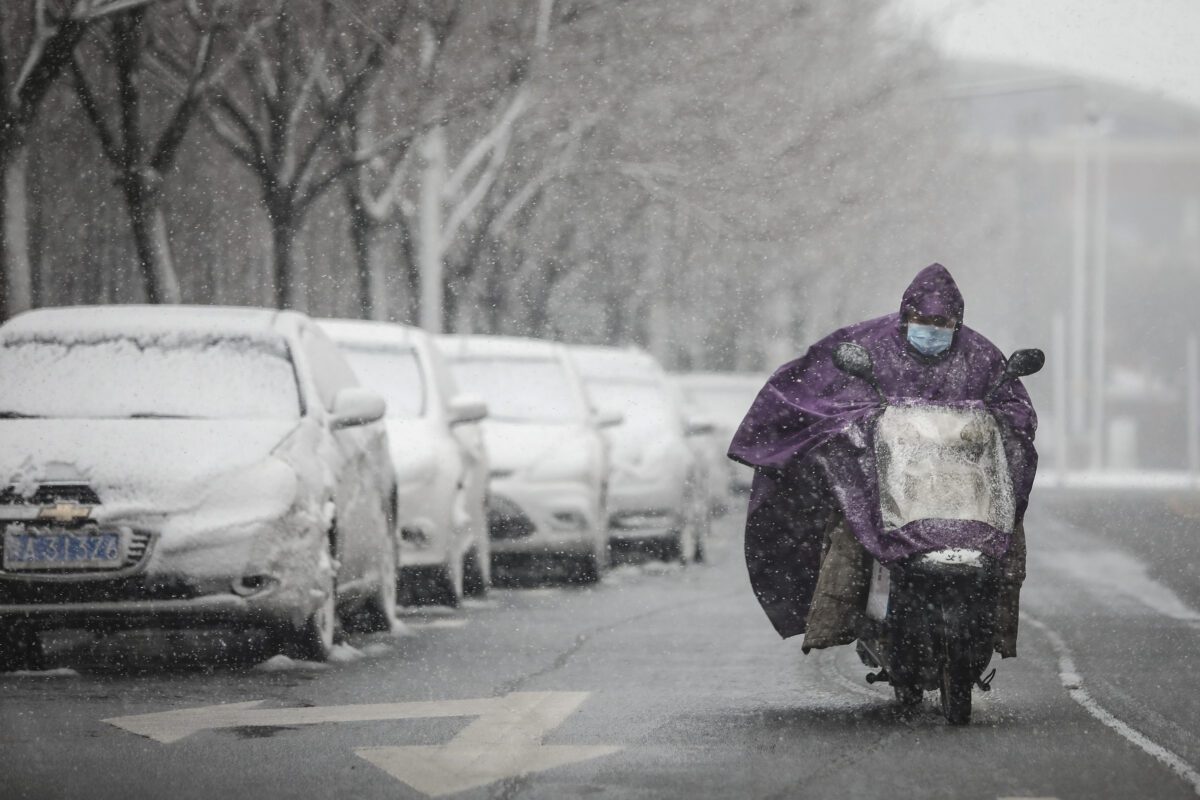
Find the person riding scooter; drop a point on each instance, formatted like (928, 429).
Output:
(817, 521)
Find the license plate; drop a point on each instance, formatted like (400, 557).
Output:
(27, 549)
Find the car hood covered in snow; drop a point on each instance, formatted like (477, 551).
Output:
(413, 444)
(141, 466)
(516, 446)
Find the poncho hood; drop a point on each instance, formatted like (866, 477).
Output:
(808, 436)
(933, 293)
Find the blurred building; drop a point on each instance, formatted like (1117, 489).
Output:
(1095, 257)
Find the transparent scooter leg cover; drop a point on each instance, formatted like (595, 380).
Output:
(942, 463)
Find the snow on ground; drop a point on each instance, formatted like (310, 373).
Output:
(282, 663)
(1124, 575)
(626, 573)
(438, 624)
(342, 653)
(427, 611)
(1109, 480)
(398, 628)
(61, 672)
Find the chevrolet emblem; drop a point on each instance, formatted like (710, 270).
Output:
(65, 512)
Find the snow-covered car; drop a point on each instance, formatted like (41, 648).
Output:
(439, 456)
(658, 487)
(168, 467)
(709, 448)
(724, 398)
(549, 458)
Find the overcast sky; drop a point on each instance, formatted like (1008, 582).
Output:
(1146, 44)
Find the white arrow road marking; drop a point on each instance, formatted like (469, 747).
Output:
(171, 726)
(504, 742)
(436, 624)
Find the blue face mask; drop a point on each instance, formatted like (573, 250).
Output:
(930, 340)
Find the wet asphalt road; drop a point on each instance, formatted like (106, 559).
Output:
(678, 669)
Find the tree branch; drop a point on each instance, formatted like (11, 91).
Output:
(486, 143)
(479, 191)
(335, 117)
(91, 109)
(247, 147)
(48, 55)
(172, 136)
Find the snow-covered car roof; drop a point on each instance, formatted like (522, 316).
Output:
(364, 332)
(466, 346)
(615, 363)
(92, 323)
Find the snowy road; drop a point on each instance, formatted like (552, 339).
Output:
(660, 682)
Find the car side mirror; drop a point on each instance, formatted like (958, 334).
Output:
(609, 419)
(853, 359)
(465, 408)
(1025, 362)
(356, 405)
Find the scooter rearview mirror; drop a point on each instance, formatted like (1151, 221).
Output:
(1019, 364)
(1025, 362)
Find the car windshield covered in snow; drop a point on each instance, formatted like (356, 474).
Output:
(727, 404)
(394, 372)
(519, 389)
(167, 376)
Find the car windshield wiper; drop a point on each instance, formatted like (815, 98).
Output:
(17, 415)
(156, 415)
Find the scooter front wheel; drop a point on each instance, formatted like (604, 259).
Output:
(956, 694)
(908, 696)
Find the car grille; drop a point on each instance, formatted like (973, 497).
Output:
(51, 493)
(137, 587)
(139, 545)
(507, 521)
(643, 519)
(135, 554)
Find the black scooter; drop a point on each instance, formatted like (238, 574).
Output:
(931, 619)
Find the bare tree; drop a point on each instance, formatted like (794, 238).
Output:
(783, 136)
(37, 39)
(120, 51)
(396, 115)
(281, 111)
(500, 269)
(426, 191)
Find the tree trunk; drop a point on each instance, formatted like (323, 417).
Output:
(283, 245)
(361, 229)
(553, 271)
(495, 298)
(451, 289)
(381, 306)
(16, 270)
(150, 239)
(429, 236)
(409, 268)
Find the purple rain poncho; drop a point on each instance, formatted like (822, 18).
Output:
(808, 437)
